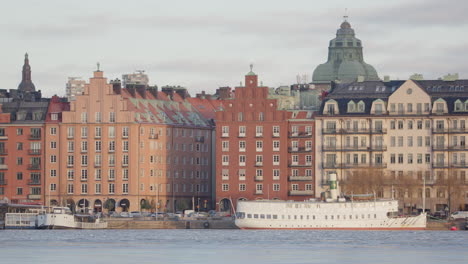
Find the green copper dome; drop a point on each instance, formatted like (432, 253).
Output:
(345, 59)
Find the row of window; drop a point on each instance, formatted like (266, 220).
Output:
(34, 132)
(259, 172)
(111, 188)
(259, 160)
(20, 191)
(397, 124)
(259, 130)
(306, 217)
(111, 174)
(125, 132)
(259, 145)
(259, 187)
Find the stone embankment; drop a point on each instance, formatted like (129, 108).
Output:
(148, 223)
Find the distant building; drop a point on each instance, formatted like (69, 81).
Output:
(345, 61)
(263, 149)
(137, 78)
(22, 121)
(75, 86)
(403, 133)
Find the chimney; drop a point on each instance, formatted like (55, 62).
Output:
(169, 91)
(141, 89)
(116, 86)
(224, 93)
(183, 93)
(153, 90)
(386, 78)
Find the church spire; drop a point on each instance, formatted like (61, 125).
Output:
(26, 84)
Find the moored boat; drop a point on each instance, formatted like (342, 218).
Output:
(334, 213)
(62, 218)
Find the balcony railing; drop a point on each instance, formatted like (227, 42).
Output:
(299, 149)
(34, 182)
(296, 164)
(275, 135)
(327, 165)
(259, 178)
(34, 152)
(300, 178)
(34, 196)
(3, 182)
(241, 135)
(258, 191)
(34, 166)
(300, 134)
(297, 192)
(153, 136)
(35, 136)
(354, 131)
(3, 152)
(258, 163)
(225, 135)
(445, 165)
(3, 167)
(3, 137)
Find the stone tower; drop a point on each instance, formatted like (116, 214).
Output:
(345, 59)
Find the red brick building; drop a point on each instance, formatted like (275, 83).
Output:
(262, 152)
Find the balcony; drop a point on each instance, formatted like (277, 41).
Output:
(440, 147)
(258, 134)
(153, 136)
(258, 164)
(70, 165)
(97, 165)
(329, 165)
(34, 151)
(300, 178)
(3, 182)
(34, 136)
(200, 139)
(124, 164)
(258, 178)
(356, 131)
(3, 152)
(241, 135)
(300, 134)
(258, 191)
(458, 148)
(34, 182)
(296, 164)
(276, 135)
(3, 167)
(296, 192)
(34, 196)
(84, 179)
(225, 177)
(299, 149)
(3, 137)
(224, 134)
(34, 166)
(330, 131)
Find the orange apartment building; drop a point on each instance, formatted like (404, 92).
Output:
(22, 118)
(263, 151)
(126, 149)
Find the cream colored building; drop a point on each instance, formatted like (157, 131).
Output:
(404, 133)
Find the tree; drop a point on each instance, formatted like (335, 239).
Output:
(363, 181)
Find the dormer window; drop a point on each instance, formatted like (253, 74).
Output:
(54, 116)
(331, 109)
(37, 116)
(458, 106)
(361, 106)
(378, 109)
(439, 107)
(351, 107)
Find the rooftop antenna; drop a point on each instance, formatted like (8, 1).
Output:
(98, 64)
(345, 17)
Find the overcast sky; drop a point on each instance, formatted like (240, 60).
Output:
(205, 44)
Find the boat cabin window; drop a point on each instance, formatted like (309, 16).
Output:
(350, 217)
(268, 216)
(262, 216)
(375, 216)
(326, 217)
(255, 215)
(275, 216)
(249, 215)
(240, 215)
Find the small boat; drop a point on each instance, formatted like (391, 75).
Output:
(333, 213)
(62, 218)
(20, 220)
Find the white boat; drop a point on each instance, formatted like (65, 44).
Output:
(334, 213)
(62, 218)
(20, 220)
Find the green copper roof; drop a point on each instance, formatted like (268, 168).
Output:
(345, 59)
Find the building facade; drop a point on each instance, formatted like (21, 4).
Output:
(75, 86)
(402, 139)
(128, 149)
(262, 151)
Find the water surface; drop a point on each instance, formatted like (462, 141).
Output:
(232, 246)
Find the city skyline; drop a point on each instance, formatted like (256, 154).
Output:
(207, 44)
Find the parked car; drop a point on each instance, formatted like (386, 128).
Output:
(125, 214)
(459, 215)
(179, 214)
(158, 215)
(135, 214)
(440, 214)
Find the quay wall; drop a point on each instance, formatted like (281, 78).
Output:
(129, 223)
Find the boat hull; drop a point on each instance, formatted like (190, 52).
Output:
(363, 215)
